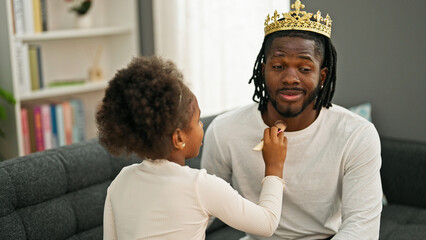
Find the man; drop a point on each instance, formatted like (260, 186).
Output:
(333, 187)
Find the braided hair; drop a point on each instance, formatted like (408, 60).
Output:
(324, 48)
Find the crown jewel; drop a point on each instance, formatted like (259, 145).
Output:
(298, 20)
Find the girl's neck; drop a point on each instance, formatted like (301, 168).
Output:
(176, 157)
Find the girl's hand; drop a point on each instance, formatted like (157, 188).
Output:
(274, 150)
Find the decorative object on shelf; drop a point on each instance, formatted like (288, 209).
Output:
(8, 97)
(83, 21)
(66, 82)
(81, 9)
(95, 72)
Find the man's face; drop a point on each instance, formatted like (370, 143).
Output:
(292, 75)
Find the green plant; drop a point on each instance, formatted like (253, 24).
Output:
(80, 7)
(8, 97)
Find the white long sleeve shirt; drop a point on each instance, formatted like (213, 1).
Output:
(158, 199)
(332, 175)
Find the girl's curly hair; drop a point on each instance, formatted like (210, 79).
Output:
(143, 105)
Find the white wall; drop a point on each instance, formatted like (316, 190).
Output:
(215, 44)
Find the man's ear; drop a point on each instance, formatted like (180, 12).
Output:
(263, 70)
(323, 73)
(177, 139)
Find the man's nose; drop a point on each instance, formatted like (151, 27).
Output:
(291, 77)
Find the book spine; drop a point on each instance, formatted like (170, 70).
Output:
(22, 67)
(18, 12)
(13, 16)
(47, 125)
(38, 126)
(35, 83)
(37, 16)
(55, 141)
(40, 68)
(25, 131)
(79, 131)
(31, 124)
(43, 8)
(28, 16)
(68, 122)
(60, 124)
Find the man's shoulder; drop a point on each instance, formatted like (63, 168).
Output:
(344, 121)
(344, 115)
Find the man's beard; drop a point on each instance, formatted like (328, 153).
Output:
(288, 113)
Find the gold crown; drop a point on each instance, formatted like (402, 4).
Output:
(298, 20)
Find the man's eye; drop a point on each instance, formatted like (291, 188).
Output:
(278, 67)
(305, 69)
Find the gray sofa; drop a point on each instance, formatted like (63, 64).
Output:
(59, 193)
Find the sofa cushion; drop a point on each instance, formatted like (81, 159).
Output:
(403, 172)
(58, 193)
(51, 219)
(37, 178)
(399, 222)
(218, 230)
(95, 171)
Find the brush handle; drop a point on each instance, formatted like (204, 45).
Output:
(259, 146)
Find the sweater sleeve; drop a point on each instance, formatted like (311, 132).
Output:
(219, 199)
(109, 225)
(362, 191)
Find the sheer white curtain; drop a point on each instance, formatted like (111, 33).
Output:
(215, 44)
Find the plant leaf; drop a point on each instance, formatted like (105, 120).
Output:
(7, 96)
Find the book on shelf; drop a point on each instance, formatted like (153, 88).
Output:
(68, 121)
(31, 128)
(38, 127)
(40, 68)
(52, 124)
(43, 10)
(28, 16)
(38, 27)
(47, 125)
(18, 16)
(36, 67)
(33, 60)
(22, 67)
(13, 17)
(60, 124)
(53, 121)
(26, 141)
(78, 127)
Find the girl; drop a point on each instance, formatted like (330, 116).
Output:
(148, 110)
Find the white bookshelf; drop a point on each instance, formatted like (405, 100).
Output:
(68, 53)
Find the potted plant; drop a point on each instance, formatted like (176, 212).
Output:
(81, 9)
